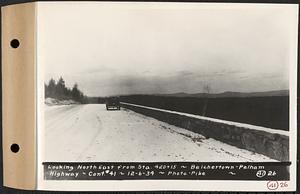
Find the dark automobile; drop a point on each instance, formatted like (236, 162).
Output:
(113, 103)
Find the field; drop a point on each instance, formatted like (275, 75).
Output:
(270, 111)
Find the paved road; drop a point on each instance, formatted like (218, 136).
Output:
(91, 133)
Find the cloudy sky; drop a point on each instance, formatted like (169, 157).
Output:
(144, 48)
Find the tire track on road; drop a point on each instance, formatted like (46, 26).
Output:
(93, 140)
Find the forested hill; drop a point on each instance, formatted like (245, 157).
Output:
(229, 94)
(58, 90)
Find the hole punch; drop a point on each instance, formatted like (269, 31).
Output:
(15, 43)
(15, 148)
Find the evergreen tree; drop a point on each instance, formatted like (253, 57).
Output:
(51, 89)
(60, 89)
(61, 92)
(75, 92)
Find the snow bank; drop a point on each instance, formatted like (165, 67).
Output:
(52, 101)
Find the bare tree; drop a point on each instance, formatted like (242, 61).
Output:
(206, 91)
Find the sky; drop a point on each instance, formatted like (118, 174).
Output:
(151, 48)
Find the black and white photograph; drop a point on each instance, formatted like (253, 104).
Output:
(168, 83)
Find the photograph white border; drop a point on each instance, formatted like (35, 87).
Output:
(168, 185)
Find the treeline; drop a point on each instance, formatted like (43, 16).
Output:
(58, 90)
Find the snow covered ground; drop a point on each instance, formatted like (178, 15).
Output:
(52, 101)
(91, 133)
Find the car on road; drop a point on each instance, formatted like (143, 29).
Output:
(113, 103)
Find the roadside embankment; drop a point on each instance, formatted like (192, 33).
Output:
(52, 102)
(266, 141)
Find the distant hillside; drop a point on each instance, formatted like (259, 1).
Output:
(230, 94)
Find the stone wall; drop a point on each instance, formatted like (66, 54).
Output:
(269, 142)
